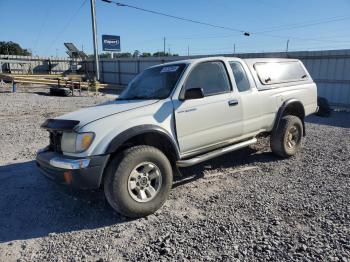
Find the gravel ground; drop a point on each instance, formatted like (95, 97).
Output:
(246, 206)
(22, 113)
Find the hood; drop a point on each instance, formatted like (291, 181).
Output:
(90, 114)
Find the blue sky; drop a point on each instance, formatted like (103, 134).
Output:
(44, 25)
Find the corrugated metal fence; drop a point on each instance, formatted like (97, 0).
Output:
(36, 65)
(329, 69)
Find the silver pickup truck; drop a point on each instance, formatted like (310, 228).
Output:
(175, 115)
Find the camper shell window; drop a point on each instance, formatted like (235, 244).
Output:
(270, 73)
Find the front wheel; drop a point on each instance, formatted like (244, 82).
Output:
(138, 181)
(285, 141)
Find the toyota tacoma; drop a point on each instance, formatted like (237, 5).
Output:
(176, 115)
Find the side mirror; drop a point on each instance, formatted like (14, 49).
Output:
(194, 93)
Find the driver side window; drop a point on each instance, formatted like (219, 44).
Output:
(211, 77)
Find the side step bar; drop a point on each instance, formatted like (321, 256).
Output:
(215, 153)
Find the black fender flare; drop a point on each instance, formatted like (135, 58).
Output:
(283, 108)
(122, 137)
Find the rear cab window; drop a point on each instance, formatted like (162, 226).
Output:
(240, 76)
(270, 73)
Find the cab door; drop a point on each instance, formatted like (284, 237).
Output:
(250, 97)
(212, 119)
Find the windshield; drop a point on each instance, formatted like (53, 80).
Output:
(154, 83)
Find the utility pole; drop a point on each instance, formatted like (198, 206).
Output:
(94, 36)
(188, 50)
(234, 48)
(287, 46)
(164, 45)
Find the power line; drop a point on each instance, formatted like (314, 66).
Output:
(328, 38)
(316, 45)
(178, 18)
(268, 35)
(66, 26)
(246, 33)
(301, 38)
(303, 25)
(284, 37)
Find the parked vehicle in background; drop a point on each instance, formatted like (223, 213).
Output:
(175, 115)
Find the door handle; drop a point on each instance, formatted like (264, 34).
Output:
(233, 102)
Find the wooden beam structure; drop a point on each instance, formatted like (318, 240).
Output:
(54, 80)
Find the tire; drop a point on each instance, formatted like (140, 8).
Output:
(324, 110)
(124, 172)
(56, 91)
(285, 141)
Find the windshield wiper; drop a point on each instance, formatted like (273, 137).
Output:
(137, 98)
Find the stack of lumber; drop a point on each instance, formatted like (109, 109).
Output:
(55, 80)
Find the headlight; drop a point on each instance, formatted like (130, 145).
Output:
(83, 141)
(75, 142)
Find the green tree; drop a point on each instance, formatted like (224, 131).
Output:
(146, 54)
(160, 54)
(136, 53)
(108, 55)
(104, 55)
(11, 48)
(164, 54)
(124, 54)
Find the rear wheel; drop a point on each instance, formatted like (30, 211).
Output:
(285, 141)
(138, 181)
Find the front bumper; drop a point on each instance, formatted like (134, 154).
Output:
(83, 173)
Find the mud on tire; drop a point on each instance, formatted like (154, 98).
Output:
(285, 140)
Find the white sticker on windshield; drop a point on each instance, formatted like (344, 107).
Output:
(168, 69)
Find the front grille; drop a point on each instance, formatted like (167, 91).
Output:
(55, 141)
